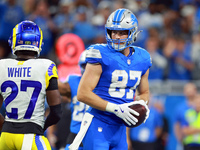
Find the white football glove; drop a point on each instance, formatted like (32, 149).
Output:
(142, 102)
(124, 112)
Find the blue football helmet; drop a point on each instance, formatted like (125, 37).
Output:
(82, 61)
(121, 19)
(26, 36)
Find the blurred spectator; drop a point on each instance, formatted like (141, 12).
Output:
(187, 21)
(87, 4)
(94, 3)
(64, 18)
(137, 6)
(118, 4)
(178, 52)
(43, 19)
(29, 6)
(11, 14)
(159, 62)
(189, 91)
(103, 10)
(179, 22)
(83, 28)
(53, 7)
(172, 21)
(177, 5)
(158, 102)
(191, 126)
(196, 55)
(163, 5)
(151, 18)
(196, 26)
(147, 19)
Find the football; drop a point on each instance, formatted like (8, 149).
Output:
(142, 111)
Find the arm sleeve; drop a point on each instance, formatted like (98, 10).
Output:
(53, 84)
(54, 116)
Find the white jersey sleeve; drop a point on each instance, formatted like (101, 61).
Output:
(23, 87)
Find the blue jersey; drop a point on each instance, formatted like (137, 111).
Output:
(120, 76)
(77, 108)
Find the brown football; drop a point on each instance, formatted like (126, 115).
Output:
(142, 111)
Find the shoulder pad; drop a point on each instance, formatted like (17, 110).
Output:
(93, 54)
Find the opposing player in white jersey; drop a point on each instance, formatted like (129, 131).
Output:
(69, 88)
(112, 74)
(25, 83)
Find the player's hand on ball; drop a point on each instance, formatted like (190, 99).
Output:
(140, 107)
(142, 102)
(124, 112)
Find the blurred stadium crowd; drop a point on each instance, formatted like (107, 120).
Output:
(170, 28)
(170, 32)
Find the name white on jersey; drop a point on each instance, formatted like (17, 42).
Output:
(23, 87)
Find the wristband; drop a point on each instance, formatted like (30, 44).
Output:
(110, 107)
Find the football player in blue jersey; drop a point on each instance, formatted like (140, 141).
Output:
(25, 83)
(113, 73)
(78, 109)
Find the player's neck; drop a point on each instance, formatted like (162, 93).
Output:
(126, 51)
(25, 54)
(25, 57)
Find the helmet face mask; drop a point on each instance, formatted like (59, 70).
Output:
(121, 19)
(26, 36)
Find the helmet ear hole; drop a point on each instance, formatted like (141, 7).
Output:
(134, 39)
